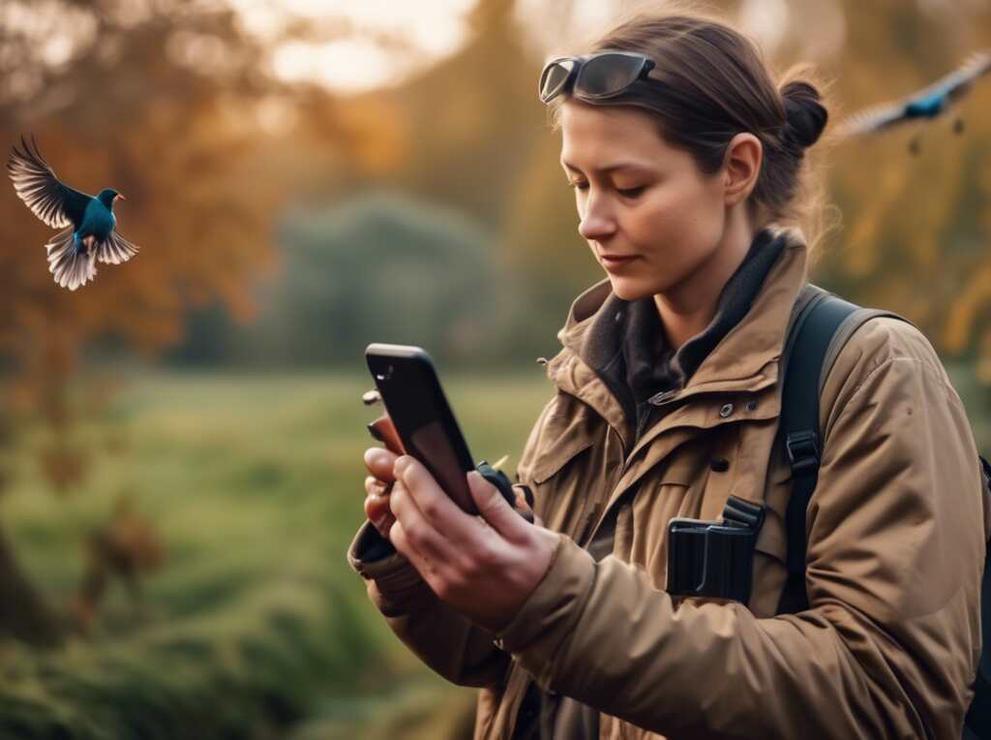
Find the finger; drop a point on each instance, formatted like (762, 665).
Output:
(429, 570)
(376, 487)
(377, 504)
(419, 530)
(380, 463)
(378, 513)
(494, 509)
(400, 541)
(436, 506)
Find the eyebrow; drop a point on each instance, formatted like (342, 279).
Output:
(611, 167)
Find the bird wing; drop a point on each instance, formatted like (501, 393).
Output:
(873, 119)
(959, 81)
(115, 249)
(951, 86)
(49, 199)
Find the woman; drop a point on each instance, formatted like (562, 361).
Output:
(685, 160)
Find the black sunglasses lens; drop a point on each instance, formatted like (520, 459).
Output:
(554, 77)
(608, 74)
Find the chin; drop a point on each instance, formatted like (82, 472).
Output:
(629, 289)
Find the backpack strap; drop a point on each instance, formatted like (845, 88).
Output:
(820, 326)
(977, 722)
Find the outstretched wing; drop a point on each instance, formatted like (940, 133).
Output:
(115, 249)
(959, 81)
(873, 119)
(949, 87)
(53, 202)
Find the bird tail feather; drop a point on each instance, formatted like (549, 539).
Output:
(69, 264)
(115, 249)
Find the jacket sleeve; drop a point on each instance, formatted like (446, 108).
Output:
(890, 643)
(443, 639)
(447, 642)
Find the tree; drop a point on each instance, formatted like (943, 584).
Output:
(158, 101)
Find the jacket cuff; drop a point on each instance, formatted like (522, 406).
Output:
(374, 558)
(549, 614)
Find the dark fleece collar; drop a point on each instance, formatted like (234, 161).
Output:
(627, 347)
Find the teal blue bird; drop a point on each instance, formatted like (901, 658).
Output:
(89, 224)
(926, 104)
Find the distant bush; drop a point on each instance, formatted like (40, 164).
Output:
(381, 267)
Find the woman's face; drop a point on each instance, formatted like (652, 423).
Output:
(639, 199)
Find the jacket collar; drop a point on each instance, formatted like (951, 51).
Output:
(746, 359)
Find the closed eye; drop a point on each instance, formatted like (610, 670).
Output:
(578, 184)
(631, 192)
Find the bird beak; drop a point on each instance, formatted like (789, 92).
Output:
(121, 196)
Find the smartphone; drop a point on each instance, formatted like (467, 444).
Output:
(407, 381)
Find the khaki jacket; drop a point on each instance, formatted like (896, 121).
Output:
(896, 540)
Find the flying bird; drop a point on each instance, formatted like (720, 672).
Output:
(89, 226)
(926, 104)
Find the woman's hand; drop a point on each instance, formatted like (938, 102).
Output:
(377, 488)
(483, 566)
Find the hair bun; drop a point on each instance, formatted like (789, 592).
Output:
(805, 116)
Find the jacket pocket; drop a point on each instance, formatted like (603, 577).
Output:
(565, 429)
(550, 461)
(683, 470)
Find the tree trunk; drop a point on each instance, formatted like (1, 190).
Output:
(24, 614)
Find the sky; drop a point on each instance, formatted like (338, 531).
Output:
(361, 45)
(431, 29)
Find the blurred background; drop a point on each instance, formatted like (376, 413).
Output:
(180, 441)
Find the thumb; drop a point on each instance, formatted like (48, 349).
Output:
(493, 508)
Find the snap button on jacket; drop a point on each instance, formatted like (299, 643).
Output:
(896, 539)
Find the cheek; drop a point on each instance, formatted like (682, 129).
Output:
(678, 218)
(675, 229)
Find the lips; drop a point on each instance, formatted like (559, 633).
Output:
(610, 260)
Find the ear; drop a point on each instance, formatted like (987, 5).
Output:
(741, 167)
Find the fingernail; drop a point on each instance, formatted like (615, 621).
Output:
(401, 464)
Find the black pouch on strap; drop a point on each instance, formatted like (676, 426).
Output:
(715, 559)
(501, 481)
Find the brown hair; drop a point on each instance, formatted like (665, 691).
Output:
(709, 83)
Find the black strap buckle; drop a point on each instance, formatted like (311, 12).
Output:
(715, 559)
(743, 513)
(803, 451)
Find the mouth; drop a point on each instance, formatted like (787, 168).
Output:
(616, 260)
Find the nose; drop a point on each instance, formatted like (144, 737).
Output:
(596, 222)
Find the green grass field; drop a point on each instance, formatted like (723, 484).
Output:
(255, 626)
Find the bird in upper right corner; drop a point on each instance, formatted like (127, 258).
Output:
(926, 104)
(89, 224)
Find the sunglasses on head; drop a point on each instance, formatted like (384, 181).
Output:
(594, 76)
